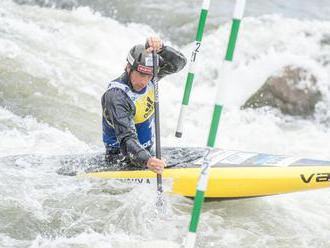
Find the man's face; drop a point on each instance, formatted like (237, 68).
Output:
(139, 80)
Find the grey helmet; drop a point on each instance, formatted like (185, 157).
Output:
(141, 60)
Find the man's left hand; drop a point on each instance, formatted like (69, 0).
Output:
(154, 44)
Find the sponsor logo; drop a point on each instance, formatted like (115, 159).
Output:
(149, 108)
(149, 61)
(145, 69)
(317, 177)
(167, 182)
(147, 144)
(135, 180)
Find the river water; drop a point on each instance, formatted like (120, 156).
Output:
(56, 57)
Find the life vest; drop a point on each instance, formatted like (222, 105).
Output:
(143, 118)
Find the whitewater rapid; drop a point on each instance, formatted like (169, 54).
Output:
(54, 67)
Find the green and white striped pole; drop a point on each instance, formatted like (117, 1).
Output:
(203, 178)
(191, 71)
(238, 14)
(198, 203)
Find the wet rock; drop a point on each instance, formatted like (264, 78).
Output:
(325, 43)
(294, 92)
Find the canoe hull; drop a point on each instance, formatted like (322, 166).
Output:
(233, 182)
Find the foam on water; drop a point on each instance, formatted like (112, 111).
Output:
(96, 240)
(27, 136)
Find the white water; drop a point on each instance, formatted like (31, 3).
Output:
(76, 52)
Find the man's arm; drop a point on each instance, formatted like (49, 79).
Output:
(121, 113)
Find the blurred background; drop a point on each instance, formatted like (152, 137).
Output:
(56, 58)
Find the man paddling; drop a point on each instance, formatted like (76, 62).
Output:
(128, 104)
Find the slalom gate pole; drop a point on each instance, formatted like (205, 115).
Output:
(191, 72)
(203, 178)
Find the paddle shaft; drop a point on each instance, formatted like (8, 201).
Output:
(157, 118)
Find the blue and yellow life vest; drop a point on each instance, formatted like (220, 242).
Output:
(143, 118)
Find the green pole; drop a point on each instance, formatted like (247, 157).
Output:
(203, 178)
(191, 71)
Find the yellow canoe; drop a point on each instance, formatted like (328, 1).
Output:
(235, 174)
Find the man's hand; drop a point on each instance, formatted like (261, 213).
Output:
(154, 44)
(156, 165)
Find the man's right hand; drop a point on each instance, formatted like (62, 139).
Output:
(156, 165)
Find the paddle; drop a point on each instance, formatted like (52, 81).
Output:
(157, 126)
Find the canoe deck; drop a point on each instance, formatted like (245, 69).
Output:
(234, 174)
(175, 158)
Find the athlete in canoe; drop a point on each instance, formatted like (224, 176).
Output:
(128, 104)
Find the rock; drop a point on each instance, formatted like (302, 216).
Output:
(325, 41)
(294, 92)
